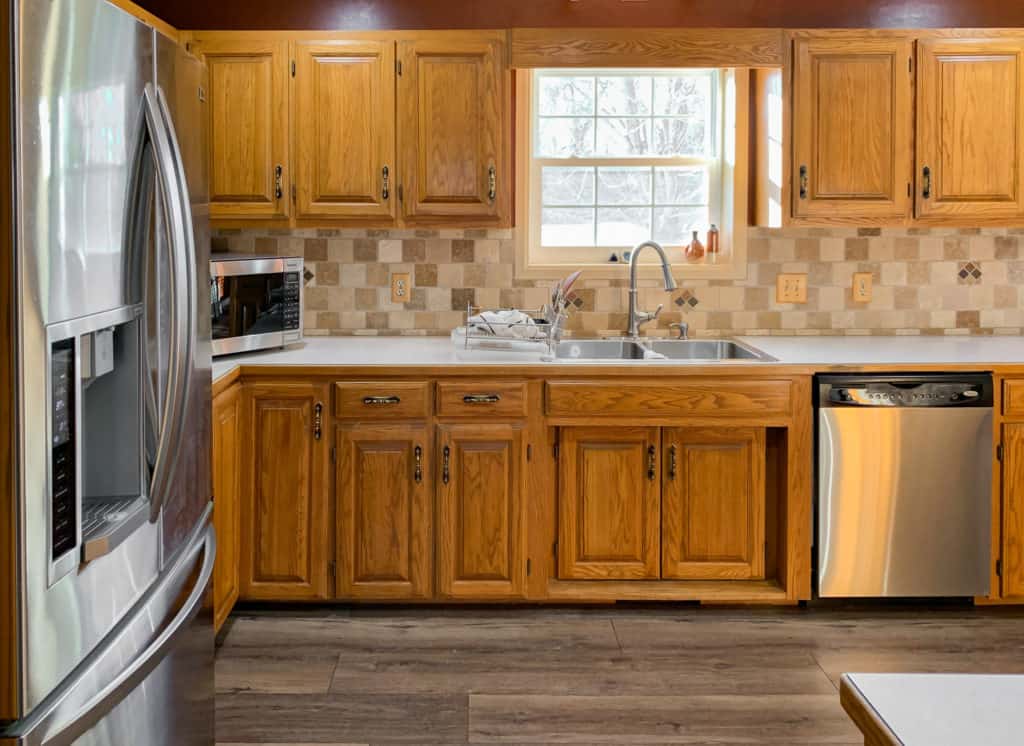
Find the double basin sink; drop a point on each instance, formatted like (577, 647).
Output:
(658, 349)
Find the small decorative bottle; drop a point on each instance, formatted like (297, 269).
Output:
(695, 251)
(713, 245)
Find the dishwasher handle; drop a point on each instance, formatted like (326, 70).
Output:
(904, 391)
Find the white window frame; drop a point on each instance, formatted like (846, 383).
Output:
(727, 185)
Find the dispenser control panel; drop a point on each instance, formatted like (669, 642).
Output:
(63, 490)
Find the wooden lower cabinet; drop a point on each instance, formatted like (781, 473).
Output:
(609, 503)
(713, 503)
(481, 550)
(287, 509)
(384, 504)
(226, 515)
(1013, 510)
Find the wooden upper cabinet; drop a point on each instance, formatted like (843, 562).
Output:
(852, 120)
(452, 128)
(344, 114)
(248, 127)
(713, 504)
(384, 512)
(226, 514)
(1013, 510)
(970, 121)
(609, 503)
(481, 534)
(286, 510)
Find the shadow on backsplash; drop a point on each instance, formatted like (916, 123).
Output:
(925, 281)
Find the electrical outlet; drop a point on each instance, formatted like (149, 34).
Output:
(862, 287)
(791, 288)
(401, 288)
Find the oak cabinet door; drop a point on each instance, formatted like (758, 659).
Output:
(384, 511)
(1013, 510)
(451, 129)
(226, 515)
(286, 519)
(344, 114)
(248, 105)
(713, 499)
(609, 503)
(970, 121)
(481, 522)
(852, 121)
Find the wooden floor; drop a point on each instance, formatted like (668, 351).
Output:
(651, 675)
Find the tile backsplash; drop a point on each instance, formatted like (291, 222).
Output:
(925, 281)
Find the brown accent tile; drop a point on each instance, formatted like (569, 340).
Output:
(327, 273)
(461, 297)
(769, 320)
(439, 251)
(315, 299)
(869, 231)
(313, 249)
(414, 250)
(378, 275)
(426, 233)
(418, 300)
(1007, 247)
(364, 250)
(268, 245)
(378, 233)
(808, 250)
(366, 299)
(906, 248)
(475, 233)
(426, 275)
(462, 251)
(377, 320)
(968, 319)
(856, 249)
(474, 275)
(328, 320)
(758, 249)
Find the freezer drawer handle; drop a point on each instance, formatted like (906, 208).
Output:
(141, 667)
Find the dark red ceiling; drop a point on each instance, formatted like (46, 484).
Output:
(454, 14)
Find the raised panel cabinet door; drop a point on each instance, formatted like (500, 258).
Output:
(713, 512)
(451, 126)
(609, 503)
(1013, 511)
(226, 514)
(852, 122)
(344, 114)
(286, 519)
(248, 105)
(970, 121)
(385, 506)
(481, 523)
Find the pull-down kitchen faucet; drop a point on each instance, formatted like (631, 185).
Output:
(636, 317)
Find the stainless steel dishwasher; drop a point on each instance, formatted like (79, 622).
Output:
(904, 485)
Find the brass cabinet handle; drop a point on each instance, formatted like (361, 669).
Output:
(926, 192)
(417, 475)
(652, 463)
(318, 420)
(803, 182)
(278, 181)
(481, 398)
(385, 191)
(446, 463)
(381, 401)
(672, 462)
(492, 183)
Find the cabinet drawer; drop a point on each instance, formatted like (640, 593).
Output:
(710, 398)
(1013, 398)
(484, 399)
(382, 400)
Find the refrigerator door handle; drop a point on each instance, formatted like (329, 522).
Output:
(132, 676)
(171, 430)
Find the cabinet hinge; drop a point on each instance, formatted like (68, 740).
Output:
(556, 450)
(554, 551)
(293, 68)
(528, 568)
(401, 194)
(910, 189)
(999, 452)
(332, 569)
(999, 568)
(529, 452)
(294, 192)
(910, 64)
(398, 67)
(334, 455)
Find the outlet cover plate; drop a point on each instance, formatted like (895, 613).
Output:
(401, 287)
(862, 287)
(791, 288)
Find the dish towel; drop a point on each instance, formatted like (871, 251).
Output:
(509, 323)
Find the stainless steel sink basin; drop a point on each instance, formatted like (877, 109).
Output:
(664, 349)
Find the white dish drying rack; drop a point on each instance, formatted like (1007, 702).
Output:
(544, 335)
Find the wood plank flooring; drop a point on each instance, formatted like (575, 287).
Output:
(612, 675)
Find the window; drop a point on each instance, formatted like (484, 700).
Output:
(615, 157)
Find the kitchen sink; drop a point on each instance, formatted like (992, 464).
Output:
(657, 349)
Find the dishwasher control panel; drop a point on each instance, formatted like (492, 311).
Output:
(905, 391)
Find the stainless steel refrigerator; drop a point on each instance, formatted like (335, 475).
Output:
(105, 509)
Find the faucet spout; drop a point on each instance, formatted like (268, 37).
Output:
(636, 318)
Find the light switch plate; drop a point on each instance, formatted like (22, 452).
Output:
(791, 288)
(401, 287)
(862, 287)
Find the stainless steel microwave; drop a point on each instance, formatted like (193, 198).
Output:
(256, 302)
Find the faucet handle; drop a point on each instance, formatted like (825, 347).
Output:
(657, 311)
(683, 327)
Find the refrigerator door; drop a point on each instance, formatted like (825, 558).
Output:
(151, 682)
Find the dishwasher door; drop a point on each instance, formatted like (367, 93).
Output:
(905, 501)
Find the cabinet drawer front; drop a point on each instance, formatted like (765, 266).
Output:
(382, 400)
(1013, 398)
(711, 398)
(482, 399)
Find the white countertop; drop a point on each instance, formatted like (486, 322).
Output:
(947, 709)
(812, 351)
